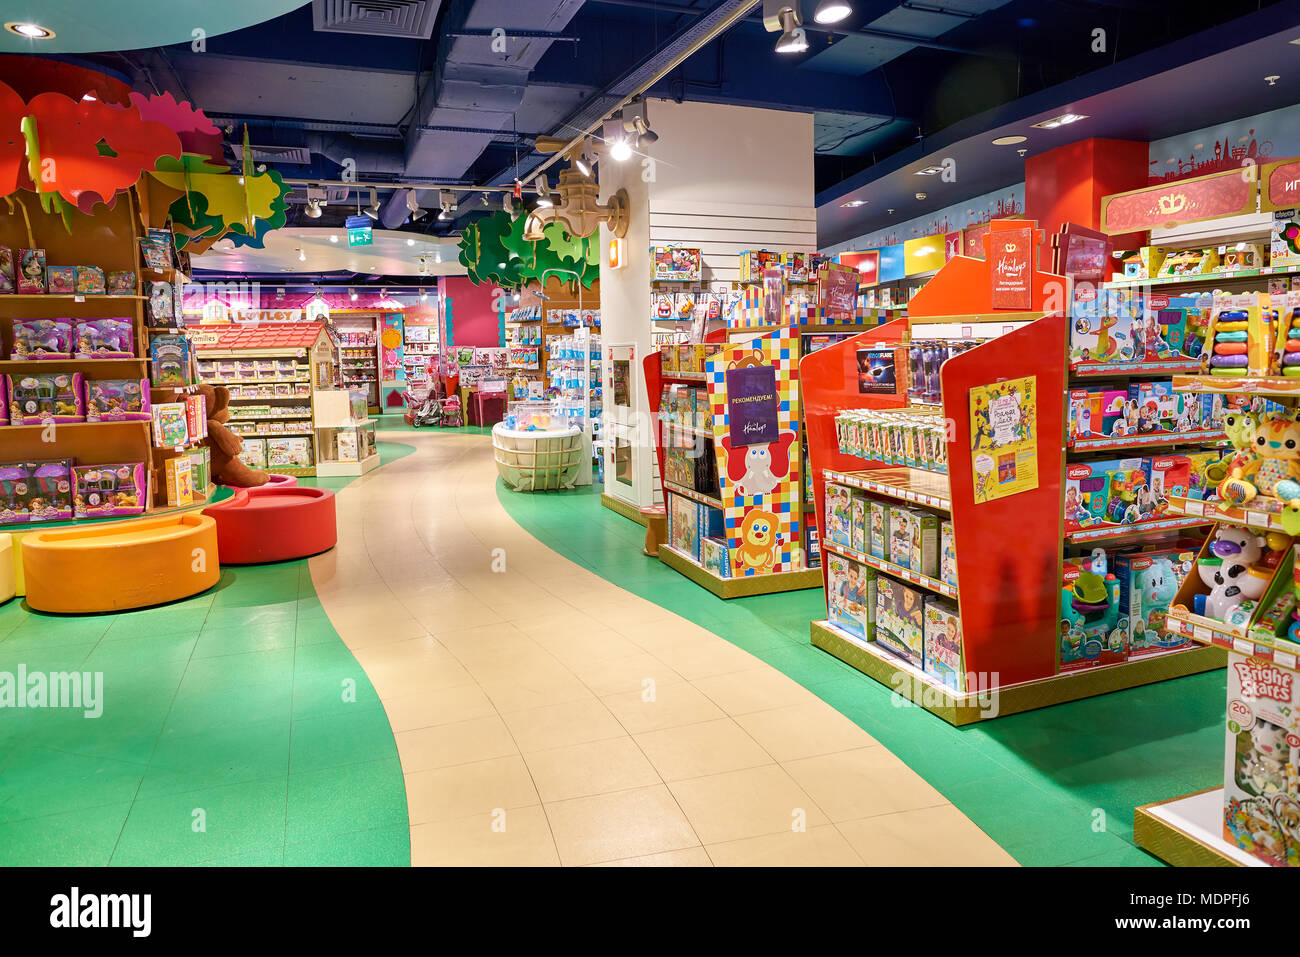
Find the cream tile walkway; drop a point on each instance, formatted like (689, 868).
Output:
(545, 716)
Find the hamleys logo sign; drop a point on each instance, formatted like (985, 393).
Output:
(1260, 679)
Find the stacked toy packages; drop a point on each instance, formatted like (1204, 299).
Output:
(58, 490)
(28, 274)
(915, 439)
(1141, 408)
(924, 358)
(1119, 326)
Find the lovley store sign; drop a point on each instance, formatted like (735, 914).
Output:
(1010, 268)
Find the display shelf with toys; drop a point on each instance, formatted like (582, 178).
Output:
(544, 315)
(275, 371)
(966, 619)
(731, 439)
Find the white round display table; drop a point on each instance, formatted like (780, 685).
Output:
(538, 461)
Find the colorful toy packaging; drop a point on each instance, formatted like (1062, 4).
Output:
(943, 643)
(6, 269)
(852, 596)
(13, 494)
(31, 271)
(36, 399)
(118, 400)
(102, 491)
(1261, 795)
(839, 519)
(49, 491)
(683, 524)
(714, 556)
(121, 282)
(42, 339)
(179, 476)
(947, 554)
(1107, 492)
(4, 400)
(861, 528)
(1091, 630)
(171, 359)
(252, 453)
(878, 515)
(90, 281)
(170, 428)
(900, 620)
(675, 263)
(1148, 582)
(104, 339)
(61, 280)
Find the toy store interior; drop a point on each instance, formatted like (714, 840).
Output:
(697, 432)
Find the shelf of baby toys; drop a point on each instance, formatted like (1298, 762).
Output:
(906, 484)
(889, 568)
(1115, 443)
(1276, 386)
(1135, 367)
(1080, 536)
(1263, 514)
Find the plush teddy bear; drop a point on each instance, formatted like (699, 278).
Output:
(225, 445)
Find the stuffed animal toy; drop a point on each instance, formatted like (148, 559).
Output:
(1272, 460)
(225, 445)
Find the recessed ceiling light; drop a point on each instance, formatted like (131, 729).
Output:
(930, 171)
(1065, 119)
(410, 242)
(333, 238)
(853, 204)
(832, 11)
(32, 31)
(1009, 140)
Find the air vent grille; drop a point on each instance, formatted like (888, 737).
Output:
(413, 19)
(298, 155)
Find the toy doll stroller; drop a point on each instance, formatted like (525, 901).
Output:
(450, 413)
(421, 405)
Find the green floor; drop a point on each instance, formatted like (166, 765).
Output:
(237, 729)
(1055, 786)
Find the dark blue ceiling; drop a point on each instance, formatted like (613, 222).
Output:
(448, 108)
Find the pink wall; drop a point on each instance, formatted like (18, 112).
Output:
(473, 320)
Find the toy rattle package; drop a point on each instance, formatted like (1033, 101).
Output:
(118, 400)
(31, 271)
(104, 339)
(49, 491)
(36, 399)
(101, 491)
(42, 339)
(1261, 794)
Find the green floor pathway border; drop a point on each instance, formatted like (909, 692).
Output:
(1055, 786)
(237, 729)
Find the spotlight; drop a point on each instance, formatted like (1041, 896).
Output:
(32, 31)
(793, 39)
(485, 200)
(373, 209)
(424, 294)
(334, 237)
(352, 294)
(447, 203)
(413, 206)
(615, 136)
(313, 209)
(636, 122)
(832, 11)
(410, 242)
(302, 256)
(508, 204)
(583, 160)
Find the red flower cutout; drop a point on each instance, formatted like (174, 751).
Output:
(13, 148)
(89, 150)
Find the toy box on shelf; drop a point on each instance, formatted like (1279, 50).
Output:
(943, 478)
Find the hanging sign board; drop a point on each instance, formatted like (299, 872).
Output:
(1004, 438)
(359, 233)
(1011, 268)
(1281, 185)
(268, 315)
(866, 263)
(1230, 193)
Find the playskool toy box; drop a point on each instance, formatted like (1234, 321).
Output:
(1261, 794)
(1148, 582)
(1107, 492)
(1091, 632)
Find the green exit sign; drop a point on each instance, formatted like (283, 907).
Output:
(359, 233)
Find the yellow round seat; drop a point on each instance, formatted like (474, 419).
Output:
(8, 574)
(120, 565)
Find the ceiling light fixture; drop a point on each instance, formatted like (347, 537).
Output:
(1272, 80)
(853, 204)
(616, 139)
(334, 237)
(447, 203)
(89, 97)
(793, 39)
(424, 294)
(313, 209)
(32, 31)
(352, 294)
(413, 206)
(302, 256)
(410, 242)
(930, 171)
(1009, 140)
(1065, 119)
(832, 11)
(636, 124)
(373, 209)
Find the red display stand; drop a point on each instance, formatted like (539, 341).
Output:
(274, 524)
(1008, 550)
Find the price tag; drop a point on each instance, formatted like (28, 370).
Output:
(1285, 660)
(78, 298)
(1243, 646)
(1262, 519)
(1194, 507)
(1201, 633)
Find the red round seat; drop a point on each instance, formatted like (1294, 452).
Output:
(280, 481)
(274, 524)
